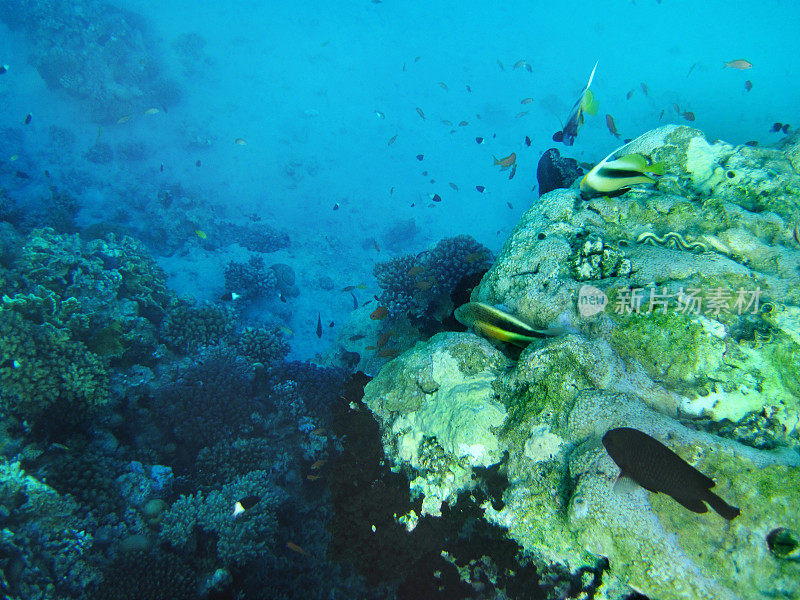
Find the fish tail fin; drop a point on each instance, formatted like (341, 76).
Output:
(724, 509)
(496, 162)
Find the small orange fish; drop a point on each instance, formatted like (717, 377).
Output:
(379, 313)
(526, 101)
(739, 63)
(389, 352)
(313, 477)
(295, 548)
(612, 128)
(420, 113)
(318, 464)
(506, 162)
(644, 88)
(688, 115)
(392, 139)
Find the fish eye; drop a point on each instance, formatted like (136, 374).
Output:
(783, 543)
(541, 236)
(731, 174)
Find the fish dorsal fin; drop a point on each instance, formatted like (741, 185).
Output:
(625, 145)
(592, 75)
(589, 105)
(631, 162)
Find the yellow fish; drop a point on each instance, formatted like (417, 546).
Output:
(617, 176)
(497, 324)
(200, 233)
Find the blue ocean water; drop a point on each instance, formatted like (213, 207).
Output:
(229, 137)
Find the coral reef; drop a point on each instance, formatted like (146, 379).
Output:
(554, 171)
(191, 326)
(40, 527)
(251, 280)
(237, 540)
(262, 344)
(40, 366)
(209, 401)
(111, 64)
(679, 311)
(256, 237)
(415, 284)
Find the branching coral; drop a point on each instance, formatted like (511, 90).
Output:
(188, 327)
(210, 401)
(39, 366)
(412, 285)
(250, 280)
(262, 344)
(238, 540)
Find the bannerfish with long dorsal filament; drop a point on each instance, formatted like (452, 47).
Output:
(657, 468)
(497, 324)
(586, 104)
(617, 176)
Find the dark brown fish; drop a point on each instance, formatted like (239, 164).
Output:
(688, 115)
(612, 128)
(748, 85)
(658, 469)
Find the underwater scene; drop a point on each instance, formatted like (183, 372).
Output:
(372, 299)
